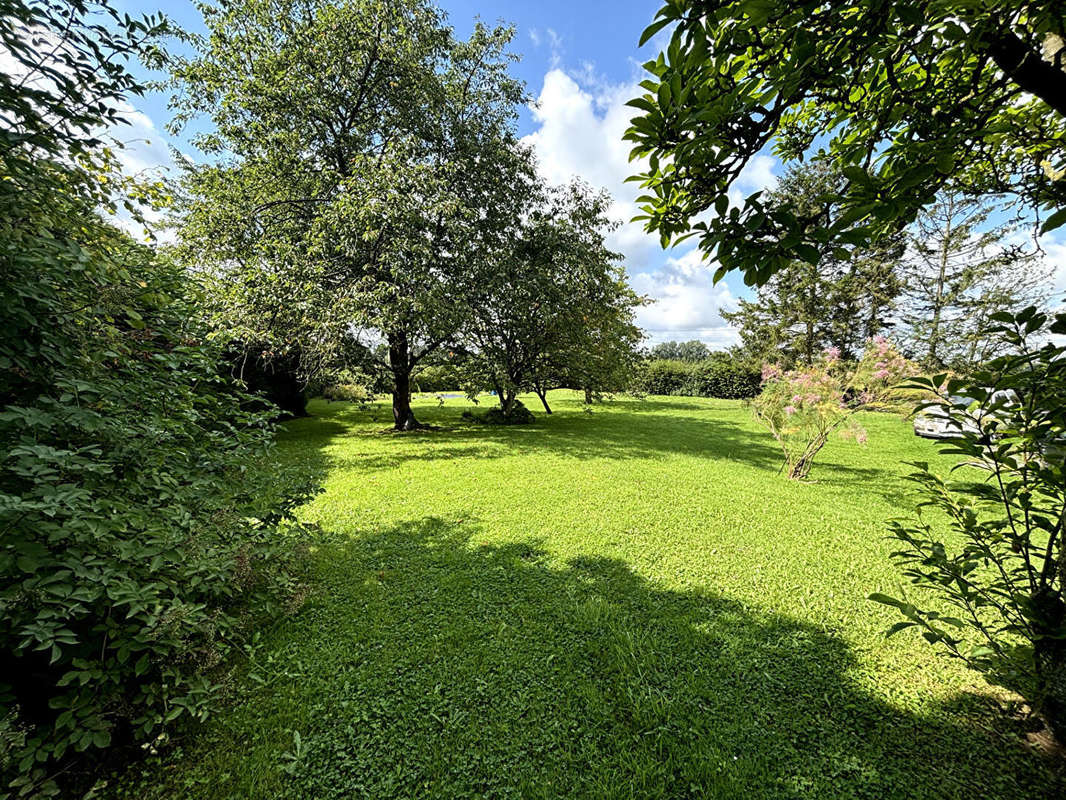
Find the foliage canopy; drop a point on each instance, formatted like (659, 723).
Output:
(902, 97)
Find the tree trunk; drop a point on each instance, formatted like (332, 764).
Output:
(932, 361)
(543, 395)
(507, 402)
(400, 364)
(812, 304)
(589, 399)
(1050, 655)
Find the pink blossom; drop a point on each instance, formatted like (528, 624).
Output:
(770, 371)
(796, 400)
(881, 374)
(813, 398)
(790, 410)
(832, 353)
(860, 437)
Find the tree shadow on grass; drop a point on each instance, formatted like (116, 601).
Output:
(431, 664)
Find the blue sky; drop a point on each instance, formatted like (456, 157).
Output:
(581, 64)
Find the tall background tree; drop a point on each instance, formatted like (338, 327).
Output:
(964, 264)
(360, 154)
(901, 97)
(839, 296)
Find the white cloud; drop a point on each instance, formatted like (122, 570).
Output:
(582, 119)
(756, 176)
(688, 303)
(554, 41)
(1054, 248)
(138, 145)
(144, 150)
(580, 135)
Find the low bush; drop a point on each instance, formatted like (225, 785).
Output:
(348, 393)
(520, 415)
(803, 406)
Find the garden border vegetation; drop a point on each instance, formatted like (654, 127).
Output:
(144, 522)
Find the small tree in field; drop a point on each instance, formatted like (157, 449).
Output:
(1003, 565)
(554, 308)
(802, 407)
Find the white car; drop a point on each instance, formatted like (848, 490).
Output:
(933, 423)
(936, 423)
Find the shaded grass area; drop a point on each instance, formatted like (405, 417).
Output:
(629, 603)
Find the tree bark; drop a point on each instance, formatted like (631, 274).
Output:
(932, 361)
(400, 364)
(1050, 655)
(589, 399)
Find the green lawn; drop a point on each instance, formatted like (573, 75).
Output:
(628, 603)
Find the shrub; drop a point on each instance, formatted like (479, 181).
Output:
(664, 377)
(725, 381)
(802, 407)
(139, 520)
(520, 415)
(139, 515)
(348, 393)
(1003, 564)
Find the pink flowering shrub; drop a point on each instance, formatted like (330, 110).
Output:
(803, 407)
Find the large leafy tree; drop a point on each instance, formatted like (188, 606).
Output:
(962, 268)
(361, 157)
(901, 96)
(554, 308)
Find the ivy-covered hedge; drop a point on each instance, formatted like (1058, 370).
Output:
(712, 378)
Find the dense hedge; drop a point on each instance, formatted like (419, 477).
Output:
(144, 524)
(711, 378)
(438, 378)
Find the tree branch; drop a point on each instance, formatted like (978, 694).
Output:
(1027, 69)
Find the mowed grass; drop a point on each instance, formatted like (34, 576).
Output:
(631, 603)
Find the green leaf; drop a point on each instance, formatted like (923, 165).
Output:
(1056, 220)
(884, 599)
(651, 30)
